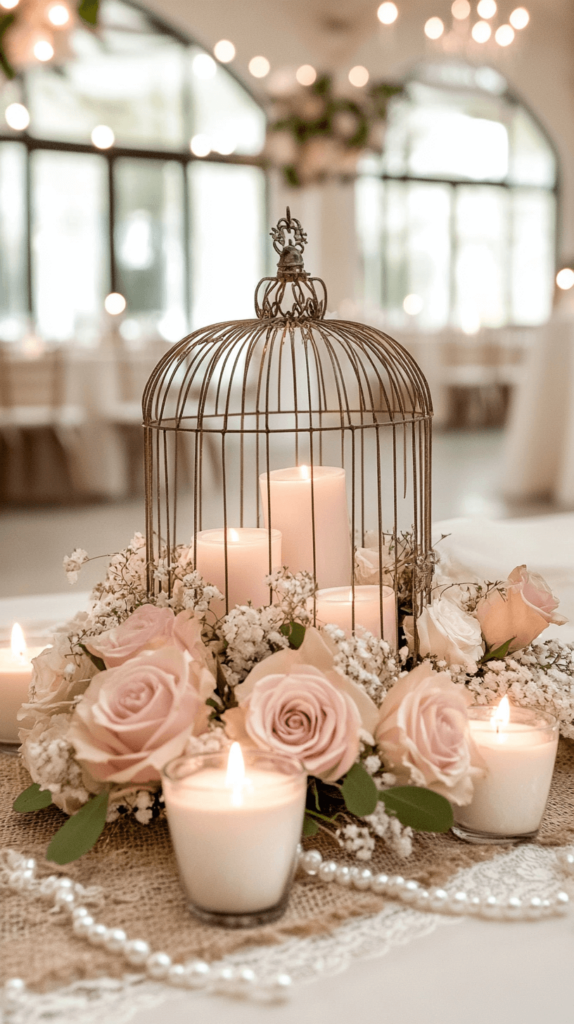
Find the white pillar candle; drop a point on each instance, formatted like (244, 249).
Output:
(235, 828)
(247, 564)
(336, 606)
(291, 512)
(518, 747)
(15, 676)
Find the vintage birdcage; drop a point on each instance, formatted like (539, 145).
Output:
(294, 440)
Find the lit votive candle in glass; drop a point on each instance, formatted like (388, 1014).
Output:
(15, 676)
(336, 606)
(247, 564)
(295, 504)
(518, 747)
(235, 822)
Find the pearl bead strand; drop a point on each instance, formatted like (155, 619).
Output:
(227, 980)
(436, 900)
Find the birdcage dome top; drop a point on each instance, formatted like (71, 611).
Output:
(289, 368)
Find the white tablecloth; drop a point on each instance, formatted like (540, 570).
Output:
(470, 971)
(539, 454)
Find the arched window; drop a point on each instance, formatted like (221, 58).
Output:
(78, 221)
(457, 220)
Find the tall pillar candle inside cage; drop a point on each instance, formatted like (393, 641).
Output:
(298, 441)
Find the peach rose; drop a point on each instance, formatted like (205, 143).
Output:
(137, 716)
(148, 629)
(424, 736)
(527, 609)
(298, 702)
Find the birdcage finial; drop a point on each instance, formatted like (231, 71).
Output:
(289, 240)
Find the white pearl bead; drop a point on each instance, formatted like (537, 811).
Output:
(116, 940)
(474, 905)
(311, 862)
(246, 979)
(14, 989)
(327, 871)
(534, 908)
(136, 952)
(410, 891)
(396, 882)
(97, 934)
(30, 864)
(157, 965)
(513, 908)
(280, 986)
(78, 912)
(492, 907)
(176, 974)
(380, 883)
(566, 860)
(82, 925)
(459, 903)
(343, 876)
(423, 897)
(362, 879)
(224, 979)
(65, 900)
(438, 899)
(65, 883)
(562, 902)
(197, 973)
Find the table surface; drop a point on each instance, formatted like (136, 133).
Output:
(470, 971)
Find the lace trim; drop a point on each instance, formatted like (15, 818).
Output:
(525, 872)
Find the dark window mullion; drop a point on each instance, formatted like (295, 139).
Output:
(111, 224)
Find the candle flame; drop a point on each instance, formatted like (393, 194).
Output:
(233, 535)
(305, 474)
(235, 778)
(18, 642)
(501, 714)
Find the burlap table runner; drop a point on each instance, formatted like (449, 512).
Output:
(135, 867)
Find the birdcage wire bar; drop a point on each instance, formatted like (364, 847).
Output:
(236, 400)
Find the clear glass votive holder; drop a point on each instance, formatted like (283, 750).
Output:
(508, 803)
(236, 846)
(15, 677)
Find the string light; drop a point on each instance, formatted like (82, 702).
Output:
(306, 74)
(259, 67)
(487, 8)
(8, 5)
(358, 76)
(200, 145)
(203, 66)
(114, 303)
(17, 116)
(481, 32)
(388, 13)
(519, 18)
(460, 9)
(412, 304)
(103, 137)
(224, 50)
(504, 35)
(434, 28)
(59, 15)
(43, 50)
(565, 279)
(224, 143)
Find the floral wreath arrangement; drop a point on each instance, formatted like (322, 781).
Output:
(314, 132)
(33, 21)
(384, 737)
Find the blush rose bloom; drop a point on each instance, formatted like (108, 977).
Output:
(424, 736)
(527, 609)
(137, 716)
(449, 633)
(298, 703)
(148, 629)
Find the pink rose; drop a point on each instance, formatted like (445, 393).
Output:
(424, 736)
(301, 713)
(148, 629)
(527, 609)
(137, 716)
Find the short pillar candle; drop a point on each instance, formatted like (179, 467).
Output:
(518, 749)
(247, 564)
(336, 606)
(299, 496)
(15, 677)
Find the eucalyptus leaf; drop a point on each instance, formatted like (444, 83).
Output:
(420, 808)
(88, 11)
(80, 832)
(32, 799)
(359, 791)
(310, 826)
(294, 632)
(498, 654)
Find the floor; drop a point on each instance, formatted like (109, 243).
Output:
(33, 541)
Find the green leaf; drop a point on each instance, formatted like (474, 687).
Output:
(359, 791)
(294, 632)
(32, 799)
(499, 654)
(6, 20)
(80, 832)
(98, 662)
(310, 826)
(88, 11)
(418, 807)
